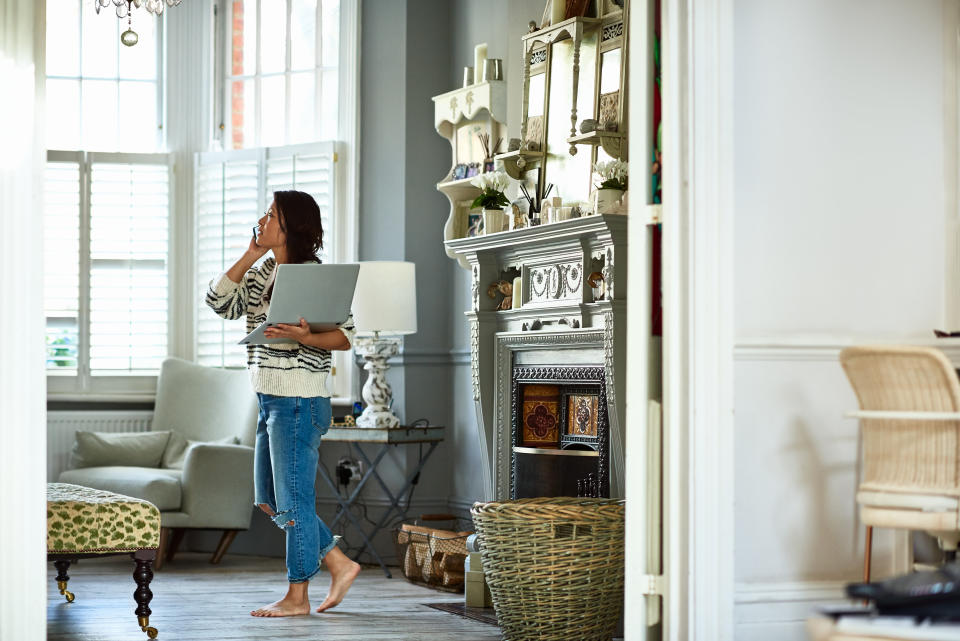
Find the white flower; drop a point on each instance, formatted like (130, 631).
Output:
(616, 169)
(495, 181)
(480, 181)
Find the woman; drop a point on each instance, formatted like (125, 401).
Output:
(290, 382)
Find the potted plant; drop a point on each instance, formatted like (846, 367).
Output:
(491, 199)
(613, 175)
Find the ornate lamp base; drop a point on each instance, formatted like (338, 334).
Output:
(377, 393)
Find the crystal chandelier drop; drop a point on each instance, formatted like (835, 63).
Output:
(125, 9)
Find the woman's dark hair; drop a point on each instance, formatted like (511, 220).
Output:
(299, 218)
(300, 221)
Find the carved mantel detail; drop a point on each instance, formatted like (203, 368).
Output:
(563, 281)
(475, 288)
(474, 357)
(608, 273)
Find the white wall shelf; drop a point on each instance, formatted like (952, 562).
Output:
(485, 102)
(610, 141)
(519, 161)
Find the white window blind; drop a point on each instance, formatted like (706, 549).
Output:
(106, 282)
(61, 264)
(233, 190)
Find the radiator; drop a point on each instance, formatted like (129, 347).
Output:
(62, 425)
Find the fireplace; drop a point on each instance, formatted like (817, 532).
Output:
(560, 432)
(566, 331)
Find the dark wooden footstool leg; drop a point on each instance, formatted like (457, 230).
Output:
(62, 566)
(143, 574)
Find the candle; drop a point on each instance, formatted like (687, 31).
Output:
(517, 292)
(559, 11)
(479, 55)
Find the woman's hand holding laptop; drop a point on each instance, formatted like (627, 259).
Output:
(332, 339)
(298, 333)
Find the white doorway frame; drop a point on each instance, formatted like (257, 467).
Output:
(697, 254)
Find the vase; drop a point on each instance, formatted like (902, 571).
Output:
(492, 221)
(606, 201)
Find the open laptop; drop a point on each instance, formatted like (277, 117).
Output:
(322, 294)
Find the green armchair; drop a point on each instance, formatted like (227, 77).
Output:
(205, 475)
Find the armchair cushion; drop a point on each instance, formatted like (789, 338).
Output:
(160, 487)
(139, 449)
(179, 445)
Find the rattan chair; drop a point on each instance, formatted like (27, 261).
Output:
(910, 429)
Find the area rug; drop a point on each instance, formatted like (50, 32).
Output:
(484, 615)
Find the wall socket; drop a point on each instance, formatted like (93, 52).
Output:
(348, 470)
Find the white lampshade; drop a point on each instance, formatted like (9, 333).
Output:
(385, 300)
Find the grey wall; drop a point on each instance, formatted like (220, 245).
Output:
(412, 51)
(499, 23)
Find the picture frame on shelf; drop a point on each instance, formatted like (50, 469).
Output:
(474, 224)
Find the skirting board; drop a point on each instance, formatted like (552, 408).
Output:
(780, 610)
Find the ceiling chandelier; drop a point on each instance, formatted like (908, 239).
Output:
(125, 9)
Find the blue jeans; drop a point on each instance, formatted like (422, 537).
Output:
(284, 472)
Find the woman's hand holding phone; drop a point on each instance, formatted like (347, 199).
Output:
(253, 249)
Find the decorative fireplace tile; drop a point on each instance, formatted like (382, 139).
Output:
(582, 415)
(541, 416)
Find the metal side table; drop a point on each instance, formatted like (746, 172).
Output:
(386, 437)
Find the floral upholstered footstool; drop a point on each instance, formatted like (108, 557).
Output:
(83, 522)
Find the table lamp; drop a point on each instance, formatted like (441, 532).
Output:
(384, 308)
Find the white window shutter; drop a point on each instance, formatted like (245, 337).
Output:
(129, 275)
(227, 210)
(61, 263)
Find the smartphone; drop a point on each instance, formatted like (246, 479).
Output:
(255, 234)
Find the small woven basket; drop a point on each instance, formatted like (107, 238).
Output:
(554, 566)
(433, 557)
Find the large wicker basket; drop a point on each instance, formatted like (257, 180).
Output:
(554, 566)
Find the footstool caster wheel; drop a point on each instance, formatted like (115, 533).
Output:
(62, 585)
(146, 627)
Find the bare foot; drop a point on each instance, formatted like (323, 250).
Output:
(340, 582)
(285, 607)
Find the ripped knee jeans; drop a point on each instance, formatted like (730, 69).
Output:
(285, 469)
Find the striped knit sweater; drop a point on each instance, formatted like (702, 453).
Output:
(280, 369)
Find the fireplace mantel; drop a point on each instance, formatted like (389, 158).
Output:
(563, 320)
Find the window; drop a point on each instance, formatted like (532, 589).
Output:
(282, 72)
(289, 87)
(106, 226)
(102, 95)
(107, 203)
(233, 188)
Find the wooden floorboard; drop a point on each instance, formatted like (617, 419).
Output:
(194, 601)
